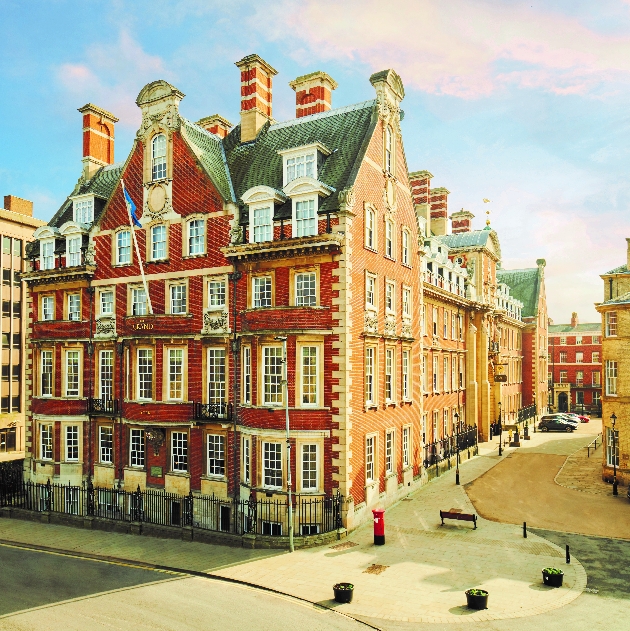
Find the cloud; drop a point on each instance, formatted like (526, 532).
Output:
(111, 76)
(463, 48)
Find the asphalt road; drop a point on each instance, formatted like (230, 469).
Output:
(40, 590)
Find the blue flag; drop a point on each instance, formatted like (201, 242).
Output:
(131, 207)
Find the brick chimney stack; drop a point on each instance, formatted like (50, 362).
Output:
(216, 124)
(18, 205)
(420, 184)
(461, 221)
(256, 92)
(574, 320)
(98, 138)
(313, 93)
(438, 199)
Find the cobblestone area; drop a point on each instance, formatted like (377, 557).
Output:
(582, 472)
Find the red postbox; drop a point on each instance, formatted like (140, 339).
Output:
(379, 526)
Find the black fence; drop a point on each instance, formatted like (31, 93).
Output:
(446, 448)
(311, 515)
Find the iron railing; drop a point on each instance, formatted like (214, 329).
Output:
(104, 406)
(311, 515)
(206, 411)
(446, 448)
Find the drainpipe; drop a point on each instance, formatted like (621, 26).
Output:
(90, 352)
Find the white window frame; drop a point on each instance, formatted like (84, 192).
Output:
(217, 292)
(436, 374)
(304, 225)
(48, 308)
(611, 378)
(215, 452)
(216, 370)
(158, 157)
(247, 459)
(123, 247)
(309, 379)
(178, 298)
(446, 374)
(196, 242)
(406, 302)
(75, 373)
(74, 301)
(46, 361)
(261, 222)
(390, 386)
(159, 246)
(148, 363)
(309, 461)
(405, 365)
(611, 324)
(300, 164)
(271, 382)
(371, 291)
(610, 453)
(73, 250)
(272, 455)
(389, 149)
(106, 374)
(137, 448)
(595, 357)
(102, 302)
(370, 229)
(179, 452)
(370, 459)
(247, 375)
(390, 245)
(370, 376)
(406, 446)
(175, 373)
(579, 357)
(306, 289)
(139, 307)
(390, 296)
(46, 441)
(260, 298)
(105, 451)
(83, 209)
(389, 451)
(47, 254)
(405, 239)
(72, 443)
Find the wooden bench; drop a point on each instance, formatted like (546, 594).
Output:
(456, 513)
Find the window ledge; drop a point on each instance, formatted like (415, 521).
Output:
(158, 262)
(214, 478)
(371, 406)
(122, 264)
(178, 474)
(194, 256)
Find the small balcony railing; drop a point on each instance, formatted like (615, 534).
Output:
(106, 407)
(443, 283)
(210, 411)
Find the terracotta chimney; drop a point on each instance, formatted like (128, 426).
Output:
(574, 320)
(313, 93)
(420, 185)
(461, 221)
(216, 124)
(256, 91)
(438, 199)
(98, 138)
(18, 205)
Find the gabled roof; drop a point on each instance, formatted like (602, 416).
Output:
(525, 285)
(595, 327)
(209, 151)
(345, 131)
(102, 185)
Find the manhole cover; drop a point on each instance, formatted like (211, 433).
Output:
(344, 546)
(375, 569)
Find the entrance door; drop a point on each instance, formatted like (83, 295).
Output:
(563, 402)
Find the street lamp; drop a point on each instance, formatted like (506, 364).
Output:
(285, 383)
(456, 417)
(500, 432)
(613, 420)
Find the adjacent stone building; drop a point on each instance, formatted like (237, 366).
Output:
(615, 311)
(575, 366)
(16, 229)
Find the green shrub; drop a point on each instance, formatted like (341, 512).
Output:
(477, 592)
(552, 570)
(342, 586)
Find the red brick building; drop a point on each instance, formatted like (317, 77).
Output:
(575, 366)
(301, 232)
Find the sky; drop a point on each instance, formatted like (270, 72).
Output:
(523, 103)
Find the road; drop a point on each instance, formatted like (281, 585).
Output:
(40, 590)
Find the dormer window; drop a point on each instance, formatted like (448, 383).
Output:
(262, 225)
(47, 254)
(73, 251)
(84, 210)
(300, 166)
(305, 221)
(158, 157)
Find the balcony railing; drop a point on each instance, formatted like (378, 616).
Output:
(443, 283)
(105, 407)
(211, 411)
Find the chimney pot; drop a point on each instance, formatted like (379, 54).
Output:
(98, 138)
(574, 320)
(438, 199)
(461, 221)
(256, 95)
(313, 93)
(216, 124)
(18, 205)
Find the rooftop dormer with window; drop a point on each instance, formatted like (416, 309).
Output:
(440, 271)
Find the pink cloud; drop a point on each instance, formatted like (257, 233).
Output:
(452, 48)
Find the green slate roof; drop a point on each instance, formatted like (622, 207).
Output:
(622, 269)
(102, 185)
(209, 150)
(471, 239)
(580, 328)
(345, 131)
(619, 300)
(525, 286)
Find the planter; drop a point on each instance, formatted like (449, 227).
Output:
(477, 598)
(553, 578)
(343, 592)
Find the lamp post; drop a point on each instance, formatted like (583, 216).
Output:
(285, 383)
(500, 432)
(456, 417)
(613, 420)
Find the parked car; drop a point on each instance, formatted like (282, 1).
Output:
(570, 418)
(554, 423)
(583, 419)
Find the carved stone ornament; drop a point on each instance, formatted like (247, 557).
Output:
(346, 199)
(406, 330)
(371, 322)
(106, 327)
(155, 214)
(90, 255)
(215, 322)
(390, 325)
(236, 235)
(169, 119)
(155, 437)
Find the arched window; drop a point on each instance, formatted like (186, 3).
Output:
(158, 154)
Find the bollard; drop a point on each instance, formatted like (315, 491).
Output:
(525, 529)
(568, 555)
(379, 526)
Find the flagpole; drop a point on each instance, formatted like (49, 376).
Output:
(135, 242)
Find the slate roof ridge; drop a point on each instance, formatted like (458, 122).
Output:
(580, 328)
(210, 137)
(525, 285)
(622, 269)
(334, 112)
(618, 300)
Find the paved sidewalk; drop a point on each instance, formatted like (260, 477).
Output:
(582, 472)
(423, 570)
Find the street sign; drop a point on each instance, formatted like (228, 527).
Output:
(500, 378)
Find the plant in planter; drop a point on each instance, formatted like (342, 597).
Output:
(552, 576)
(477, 598)
(343, 592)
